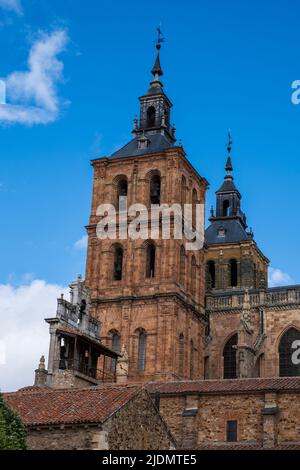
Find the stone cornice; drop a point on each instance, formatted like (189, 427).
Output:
(168, 295)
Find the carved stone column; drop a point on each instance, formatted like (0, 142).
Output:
(245, 348)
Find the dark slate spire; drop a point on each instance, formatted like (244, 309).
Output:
(228, 196)
(157, 70)
(228, 224)
(228, 184)
(228, 166)
(153, 131)
(155, 110)
(156, 85)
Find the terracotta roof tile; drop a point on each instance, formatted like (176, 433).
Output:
(34, 388)
(226, 386)
(91, 405)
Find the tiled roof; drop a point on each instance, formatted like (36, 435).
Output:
(226, 386)
(90, 405)
(34, 388)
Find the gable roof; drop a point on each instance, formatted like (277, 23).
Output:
(70, 406)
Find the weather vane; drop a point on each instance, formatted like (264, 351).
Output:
(230, 142)
(160, 37)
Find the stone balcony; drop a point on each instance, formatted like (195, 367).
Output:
(70, 314)
(274, 297)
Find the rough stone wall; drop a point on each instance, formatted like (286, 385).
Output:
(70, 379)
(167, 305)
(289, 418)
(214, 412)
(171, 408)
(208, 425)
(66, 438)
(137, 426)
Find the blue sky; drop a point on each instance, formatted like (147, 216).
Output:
(226, 64)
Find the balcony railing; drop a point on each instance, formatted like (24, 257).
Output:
(102, 375)
(71, 314)
(279, 296)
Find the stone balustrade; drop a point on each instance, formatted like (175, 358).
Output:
(258, 298)
(70, 313)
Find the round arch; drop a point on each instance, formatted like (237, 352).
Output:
(229, 357)
(284, 352)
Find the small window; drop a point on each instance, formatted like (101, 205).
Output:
(115, 340)
(211, 275)
(118, 264)
(122, 188)
(221, 232)
(150, 268)
(142, 350)
(226, 206)
(233, 273)
(229, 355)
(231, 431)
(155, 189)
(151, 116)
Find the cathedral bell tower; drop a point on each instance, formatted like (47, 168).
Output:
(155, 108)
(233, 259)
(148, 293)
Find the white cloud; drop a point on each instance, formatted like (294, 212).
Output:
(32, 95)
(277, 277)
(82, 243)
(14, 5)
(23, 333)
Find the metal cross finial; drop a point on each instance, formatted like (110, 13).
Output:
(160, 37)
(230, 142)
(228, 166)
